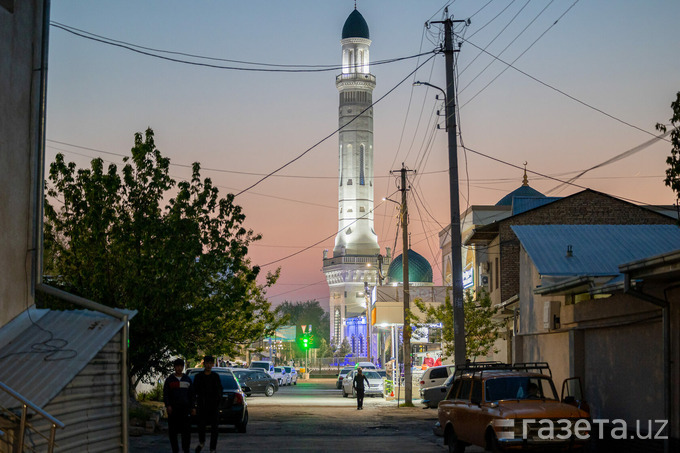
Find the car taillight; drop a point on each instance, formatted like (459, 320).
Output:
(238, 398)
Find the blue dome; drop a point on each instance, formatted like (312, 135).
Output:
(522, 191)
(355, 26)
(419, 270)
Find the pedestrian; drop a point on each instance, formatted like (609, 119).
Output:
(438, 362)
(208, 389)
(178, 396)
(358, 385)
(428, 361)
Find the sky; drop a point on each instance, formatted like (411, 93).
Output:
(589, 81)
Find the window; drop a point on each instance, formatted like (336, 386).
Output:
(497, 274)
(438, 373)
(454, 390)
(465, 390)
(476, 391)
(362, 209)
(361, 165)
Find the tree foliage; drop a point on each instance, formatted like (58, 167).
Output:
(183, 265)
(481, 331)
(673, 171)
(305, 313)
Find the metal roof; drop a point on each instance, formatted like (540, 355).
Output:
(523, 204)
(596, 249)
(43, 350)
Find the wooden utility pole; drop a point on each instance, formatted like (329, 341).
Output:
(408, 384)
(456, 241)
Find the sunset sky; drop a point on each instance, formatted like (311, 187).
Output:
(592, 86)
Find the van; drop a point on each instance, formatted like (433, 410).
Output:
(265, 365)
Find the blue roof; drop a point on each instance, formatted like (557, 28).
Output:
(521, 191)
(523, 204)
(355, 26)
(419, 270)
(597, 250)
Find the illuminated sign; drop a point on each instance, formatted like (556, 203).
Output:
(468, 278)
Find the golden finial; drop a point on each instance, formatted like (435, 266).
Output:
(525, 181)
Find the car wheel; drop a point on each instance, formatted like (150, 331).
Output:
(241, 427)
(492, 443)
(295, 382)
(269, 390)
(455, 446)
(344, 394)
(248, 394)
(338, 385)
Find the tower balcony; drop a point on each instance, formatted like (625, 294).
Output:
(355, 80)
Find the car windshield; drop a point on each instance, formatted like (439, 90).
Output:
(227, 379)
(519, 388)
(277, 369)
(344, 371)
(372, 375)
(449, 380)
(263, 365)
(243, 375)
(287, 368)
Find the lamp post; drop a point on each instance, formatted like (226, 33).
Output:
(456, 241)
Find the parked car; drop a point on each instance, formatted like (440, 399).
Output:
(366, 365)
(233, 409)
(431, 396)
(280, 375)
(436, 375)
(341, 376)
(265, 365)
(375, 381)
(502, 406)
(292, 373)
(257, 380)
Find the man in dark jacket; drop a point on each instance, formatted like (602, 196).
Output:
(208, 395)
(358, 385)
(178, 396)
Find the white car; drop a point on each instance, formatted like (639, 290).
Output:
(436, 375)
(292, 373)
(375, 381)
(281, 376)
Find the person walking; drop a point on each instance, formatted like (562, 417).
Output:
(358, 385)
(208, 388)
(178, 396)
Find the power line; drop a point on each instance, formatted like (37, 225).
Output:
(141, 50)
(335, 131)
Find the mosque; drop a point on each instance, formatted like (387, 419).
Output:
(365, 301)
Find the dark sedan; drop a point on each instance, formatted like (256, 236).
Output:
(233, 408)
(257, 380)
(431, 396)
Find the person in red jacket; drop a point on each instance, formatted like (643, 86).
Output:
(428, 361)
(438, 361)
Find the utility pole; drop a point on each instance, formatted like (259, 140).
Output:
(408, 384)
(456, 241)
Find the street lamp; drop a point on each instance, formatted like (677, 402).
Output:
(454, 199)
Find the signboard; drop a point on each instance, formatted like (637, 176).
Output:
(468, 278)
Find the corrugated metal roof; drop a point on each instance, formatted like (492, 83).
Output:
(596, 249)
(41, 359)
(523, 204)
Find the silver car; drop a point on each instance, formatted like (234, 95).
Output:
(374, 388)
(431, 396)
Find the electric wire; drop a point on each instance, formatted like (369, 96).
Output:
(140, 50)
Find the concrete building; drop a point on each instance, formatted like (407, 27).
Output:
(590, 304)
(355, 255)
(65, 370)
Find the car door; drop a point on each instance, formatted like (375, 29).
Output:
(347, 383)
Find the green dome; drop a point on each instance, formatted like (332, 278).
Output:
(355, 26)
(419, 270)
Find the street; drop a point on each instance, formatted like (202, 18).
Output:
(313, 416)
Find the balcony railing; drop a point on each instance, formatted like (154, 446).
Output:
(355, 76)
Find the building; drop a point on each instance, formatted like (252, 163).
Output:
(354, 261)
(68, 367)
(593, 302)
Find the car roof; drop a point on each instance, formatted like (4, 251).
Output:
(217, 369)
(490, 374)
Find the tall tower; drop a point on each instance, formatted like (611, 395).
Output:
(354, 259)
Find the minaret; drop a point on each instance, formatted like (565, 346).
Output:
(354, 259)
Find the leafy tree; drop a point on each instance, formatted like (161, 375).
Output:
(325, 349)
(481, 331)
(673, 171)
(344, 348)
(182, 266)
(305, 313)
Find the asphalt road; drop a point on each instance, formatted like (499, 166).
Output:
(314, 417)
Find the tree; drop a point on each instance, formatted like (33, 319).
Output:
(324, 349)
(344, 348)
(305, 313)
(673, 171)
(182, 266)
(481, 331)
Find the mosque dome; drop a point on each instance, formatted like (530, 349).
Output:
(419, 270)
(525, 190)
(355, 26)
